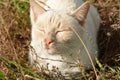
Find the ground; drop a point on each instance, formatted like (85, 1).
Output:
(15, 39)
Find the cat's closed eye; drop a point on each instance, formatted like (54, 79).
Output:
(58, 32)
(41, 30)
(62, 31)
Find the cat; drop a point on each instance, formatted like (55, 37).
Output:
(63, 35)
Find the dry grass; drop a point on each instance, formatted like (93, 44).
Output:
(109, 33)
(15, 39)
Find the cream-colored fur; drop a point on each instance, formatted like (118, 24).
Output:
(65, 23)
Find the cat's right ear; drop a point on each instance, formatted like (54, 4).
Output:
(81, 12)
(36, 9)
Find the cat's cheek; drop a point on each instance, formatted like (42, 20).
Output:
(59, 37)
(63, 36)
(37, 35)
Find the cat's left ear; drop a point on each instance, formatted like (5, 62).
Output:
(81, 12)
(36, 9)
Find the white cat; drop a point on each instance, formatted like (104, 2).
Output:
(63, 35)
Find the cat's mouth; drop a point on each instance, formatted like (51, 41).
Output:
(53, 49)
(50, 49)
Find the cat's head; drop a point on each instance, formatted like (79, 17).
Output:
(55, 30)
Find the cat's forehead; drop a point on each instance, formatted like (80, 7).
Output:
(55, 18)
(54, 15)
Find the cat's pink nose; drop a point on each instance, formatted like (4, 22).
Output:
(48, 41)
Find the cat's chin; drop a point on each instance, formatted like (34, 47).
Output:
(50, 51)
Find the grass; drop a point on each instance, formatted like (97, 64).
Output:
(15, 38)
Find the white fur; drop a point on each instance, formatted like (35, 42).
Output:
(91, 26)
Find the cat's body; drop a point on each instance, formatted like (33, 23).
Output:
(56, 35)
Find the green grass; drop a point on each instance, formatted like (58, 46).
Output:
(14, 42)
(2, 75)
